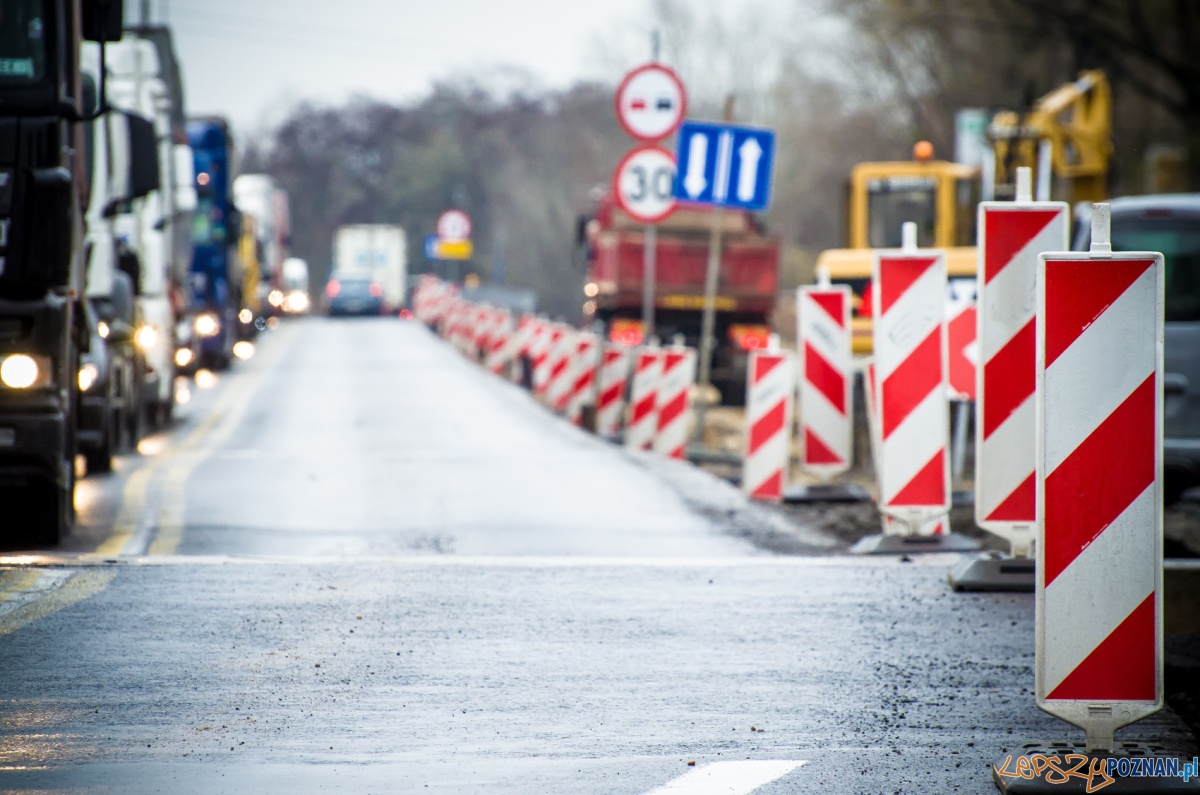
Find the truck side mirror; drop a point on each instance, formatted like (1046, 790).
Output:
(143, 156)
(185, 178)
(103, 20)
(50, 236)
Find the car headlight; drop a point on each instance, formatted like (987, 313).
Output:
(22, 371)
(245, 316)
(89, 374)
(102, 330)
(206, 326)
(297, 301)
(146, 337)
(183, 357)
(275, 297)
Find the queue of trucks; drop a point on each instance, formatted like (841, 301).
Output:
(131, 252)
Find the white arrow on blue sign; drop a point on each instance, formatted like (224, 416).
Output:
(725, 164)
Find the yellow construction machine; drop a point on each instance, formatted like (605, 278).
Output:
(1065, 137)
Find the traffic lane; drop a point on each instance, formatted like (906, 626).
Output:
(486, 674)
(374, 437)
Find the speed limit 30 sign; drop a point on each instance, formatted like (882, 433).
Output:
(644, 182)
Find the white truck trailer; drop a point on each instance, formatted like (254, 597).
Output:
(378, 252)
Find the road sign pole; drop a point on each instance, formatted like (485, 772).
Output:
(649, 279)
(709, 319)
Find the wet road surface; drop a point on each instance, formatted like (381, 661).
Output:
(362, 564)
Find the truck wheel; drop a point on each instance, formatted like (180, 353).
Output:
(44, 516)
(100, 460)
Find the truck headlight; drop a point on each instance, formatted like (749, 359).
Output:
(275, 297)
(146, 337)
(89, 374)
(206, 325)
(245, 317)
(21, 371)
(183, 357)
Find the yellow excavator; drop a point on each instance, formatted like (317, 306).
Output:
(1065, 137)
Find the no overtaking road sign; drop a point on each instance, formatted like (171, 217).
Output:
(726, 165)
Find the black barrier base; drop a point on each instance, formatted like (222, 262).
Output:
(962, 499)
(1064, 768)
(993, 571)
(909, 545)
(826, 493)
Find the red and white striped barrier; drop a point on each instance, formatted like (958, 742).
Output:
(963, 351)
(1099, 485)
(675, 401)
(937, 526)
(826, 413)
(643, 399)
(614, 380)
(1011, 236)
(501, 350)
(583, 376)
(909, 296)
(545, 344)
(770, 386)
(561, 370)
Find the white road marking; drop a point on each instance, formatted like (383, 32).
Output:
(728, 778)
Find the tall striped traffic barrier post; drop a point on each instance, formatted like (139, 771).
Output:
(614, 381)
(583, 376)
(643, 398)
(544, 348)
(1099, 421)
(562, 360)
(500, 345)
(909, 306)
(826, 409)
(770, 390)
(675, 401)
(1011, 236)
(522, 355)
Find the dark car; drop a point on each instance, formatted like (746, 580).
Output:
(353, 295)
(1169, 223)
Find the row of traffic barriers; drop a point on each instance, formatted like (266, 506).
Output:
(1068, 435)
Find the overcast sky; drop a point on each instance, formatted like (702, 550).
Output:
(252, 59)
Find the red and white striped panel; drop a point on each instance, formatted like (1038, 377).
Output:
(909, 296)
(770, 390)
(614, 378)
(963, 351)
(675, 401)
(1011, 235)
(545, 343)
(501, 349)
(1099, 486)
(826, 412)
(643, 399)
(583, 376)
(561, 372)
(930, 527)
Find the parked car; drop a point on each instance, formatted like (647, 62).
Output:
(353, 295)
(1169, 223)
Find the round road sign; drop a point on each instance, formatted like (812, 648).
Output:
(651, 102)
(454, 226)
(643, 184)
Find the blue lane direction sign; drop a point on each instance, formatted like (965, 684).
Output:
(725, 164)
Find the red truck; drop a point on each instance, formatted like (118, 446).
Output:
(611, 244)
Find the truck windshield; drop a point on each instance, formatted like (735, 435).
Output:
(22, 42)
(1179, 241)
(892, 202)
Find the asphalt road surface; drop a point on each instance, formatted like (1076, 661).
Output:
(359, 563)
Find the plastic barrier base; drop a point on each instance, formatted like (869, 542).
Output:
(993, 571)
(1064, 768)
(826, 493)
(909, 545)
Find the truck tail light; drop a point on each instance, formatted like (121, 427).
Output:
(626, 332)
(750, 338)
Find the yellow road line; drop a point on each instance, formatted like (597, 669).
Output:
(199, 446)
(27, 595)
